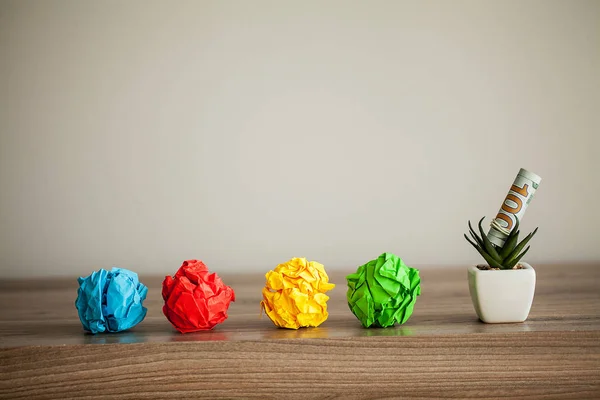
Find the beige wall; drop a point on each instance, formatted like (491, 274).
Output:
(142, 133)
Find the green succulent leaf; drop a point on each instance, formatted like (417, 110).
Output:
(511, 240)
(474, 235)
(505, 257)
(470, 241)
(510, 244)
(517, 223)
(512, 262)
(521, 245)
(493, 263)
(477, 239)
(487, 245)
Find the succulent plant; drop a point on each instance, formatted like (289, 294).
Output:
(505, 257)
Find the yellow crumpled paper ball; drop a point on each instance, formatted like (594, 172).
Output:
(294, 294)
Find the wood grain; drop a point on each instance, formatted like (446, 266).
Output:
(443, 351)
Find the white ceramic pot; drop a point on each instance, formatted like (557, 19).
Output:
(501, 296)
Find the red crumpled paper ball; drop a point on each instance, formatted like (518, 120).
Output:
(195, 299)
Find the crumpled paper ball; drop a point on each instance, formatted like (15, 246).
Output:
(383, 291)
(195, 299)
(111, 301)
(294, 294)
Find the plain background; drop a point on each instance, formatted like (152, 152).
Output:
(244, 133)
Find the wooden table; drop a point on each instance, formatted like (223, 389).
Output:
(443, 351)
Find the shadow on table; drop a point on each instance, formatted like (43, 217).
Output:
(126, 337)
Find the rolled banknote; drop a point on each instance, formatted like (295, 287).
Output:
(514, 205)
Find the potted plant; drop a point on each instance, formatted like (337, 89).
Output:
(501, 291)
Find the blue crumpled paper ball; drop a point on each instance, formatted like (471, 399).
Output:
(111, 301)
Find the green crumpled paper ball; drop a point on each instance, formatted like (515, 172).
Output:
(383, 291)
